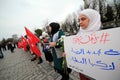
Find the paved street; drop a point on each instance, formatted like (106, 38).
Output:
(18, 66)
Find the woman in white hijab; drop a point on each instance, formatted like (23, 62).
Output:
(89, 21)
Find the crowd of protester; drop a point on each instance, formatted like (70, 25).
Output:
(49, 44)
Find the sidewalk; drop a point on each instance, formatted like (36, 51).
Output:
(18, 66)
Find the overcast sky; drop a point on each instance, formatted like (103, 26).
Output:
(15, 14)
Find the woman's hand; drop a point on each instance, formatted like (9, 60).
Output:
(52, 44)
(63, 54)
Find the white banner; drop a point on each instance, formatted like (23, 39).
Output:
(95, 54)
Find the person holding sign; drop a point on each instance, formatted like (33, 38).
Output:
(89, 21)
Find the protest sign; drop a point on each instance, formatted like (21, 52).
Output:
(95, 54)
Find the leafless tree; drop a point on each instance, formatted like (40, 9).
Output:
(116, 12)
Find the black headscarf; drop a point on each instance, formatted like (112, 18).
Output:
(55, 27)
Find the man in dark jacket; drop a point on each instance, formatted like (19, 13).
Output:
(1, 53)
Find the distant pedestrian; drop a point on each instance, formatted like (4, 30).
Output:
(1, 53)
(11, 47)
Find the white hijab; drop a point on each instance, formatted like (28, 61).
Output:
(95, 21)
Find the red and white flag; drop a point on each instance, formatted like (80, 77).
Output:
(24, 43)
(20, 45)
(33, 40)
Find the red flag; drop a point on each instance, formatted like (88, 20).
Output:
(19, 45)
(33, 40)
(31, 36)
(24, 43)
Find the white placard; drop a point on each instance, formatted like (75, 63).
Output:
(95, 54)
